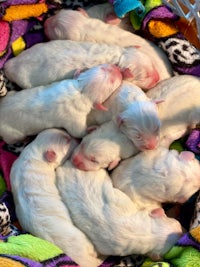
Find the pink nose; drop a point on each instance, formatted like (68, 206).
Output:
(151, 144)
(76, 160)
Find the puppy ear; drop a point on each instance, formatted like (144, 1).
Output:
(111, 18)
(186, 155)
(76, 73)
(100, 106)
(92, 128)
(50, 155)
(158, 212)
(83, 11)
(126, 73)
(119, 120)
(113, 164)
(158, 101)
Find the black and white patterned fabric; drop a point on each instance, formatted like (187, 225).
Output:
(74, 4)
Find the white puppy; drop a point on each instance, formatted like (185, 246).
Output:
(158, 176)
(180, 109)
(110, 219)
(125, 94)
(62, 58)
(134, 113)
(64, 104)
(103, 11)
(77, 26)
(39, 207)
(106, 13)
(104, 147)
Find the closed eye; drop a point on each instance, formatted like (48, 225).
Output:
(93, 159)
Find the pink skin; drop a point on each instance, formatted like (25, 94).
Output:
(152, 143)
(78, 161)
(126, 73)
(115, 73)
(114, 70)
(82, 11)
(50, 155)
(159, 212)
(111, 18)
(155, 78)
(187, 155)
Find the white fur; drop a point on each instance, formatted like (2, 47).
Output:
(39, 207)
(103, 148)
(110, 218)
(158, 176)
(126, 93)
(74, 25)
(180, 110)
(58, 59)
(134, 113)
(64, 104)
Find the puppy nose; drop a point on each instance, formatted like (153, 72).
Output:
(77, 162)
(152, 143)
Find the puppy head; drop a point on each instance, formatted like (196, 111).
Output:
(95, 153)
(99, 82)
(138, 68)
(187, 169)
(165, 233)
(55, 145)
(65, 25)
(141, 124)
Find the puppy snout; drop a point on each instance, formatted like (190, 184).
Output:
(151, 144)
(77, 162)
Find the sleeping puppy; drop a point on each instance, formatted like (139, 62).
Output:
(180, 110)
(110, 219)
(39, 207)
(78, 26)
(62, 58)
(106, 13)
(104, 147)
(125, 94)
(158, 176)
(64, 104)
(134, 113)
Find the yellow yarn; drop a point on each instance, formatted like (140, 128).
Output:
(19, 12)
(195, 232)
(160, 29)
(18, 46)
(5, 262)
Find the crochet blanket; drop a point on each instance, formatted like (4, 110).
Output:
(21, 26)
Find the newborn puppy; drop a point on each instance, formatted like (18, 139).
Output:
(125, 94)
(103, 148)
(39, 207)
(134, 113)
(78, 26)
(110, 219)
(62, 58)
(64, 104)
(180, 110)
(158, 176)
(106, 13)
